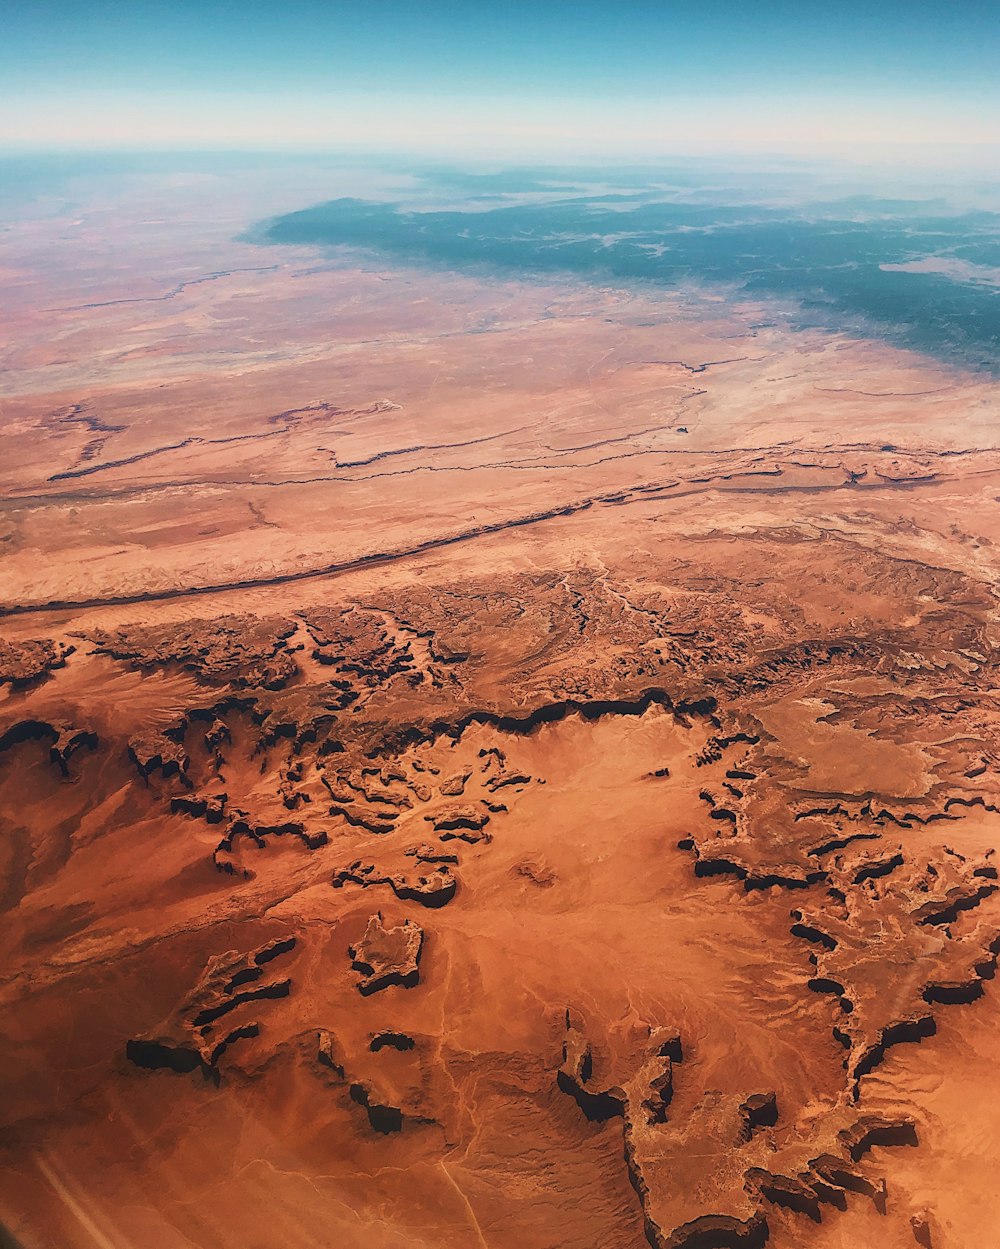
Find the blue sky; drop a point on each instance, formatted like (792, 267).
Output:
(553, 76)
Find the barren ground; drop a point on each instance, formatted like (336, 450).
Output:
(484, 762)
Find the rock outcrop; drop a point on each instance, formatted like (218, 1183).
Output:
(739, 1159)
(201, 1031)
(387, 956)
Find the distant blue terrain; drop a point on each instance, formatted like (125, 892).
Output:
(829, 258)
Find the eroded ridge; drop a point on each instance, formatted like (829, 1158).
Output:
(212, 1017)
(889, 946)
(747, 1160)
(238, 650)
(23, 664)
(505, 764)
(64, 740)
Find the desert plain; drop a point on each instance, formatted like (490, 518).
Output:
(487, 761)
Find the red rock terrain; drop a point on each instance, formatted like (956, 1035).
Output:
(486, 763)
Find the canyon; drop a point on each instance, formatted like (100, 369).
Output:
(485, 760)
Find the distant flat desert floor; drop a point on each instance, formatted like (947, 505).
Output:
(486, 762)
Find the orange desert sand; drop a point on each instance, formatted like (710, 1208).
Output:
(485, 763)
